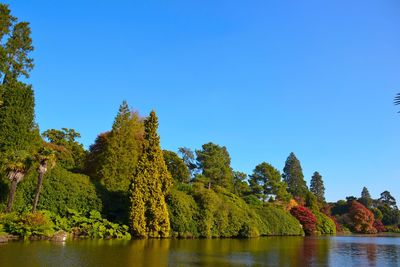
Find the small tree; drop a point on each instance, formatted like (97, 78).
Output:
(16, 165)
(365, 199)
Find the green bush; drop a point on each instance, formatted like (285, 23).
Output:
(325, 225)
(276, 221)
(61, 190)
(183, 214)
(27, 224)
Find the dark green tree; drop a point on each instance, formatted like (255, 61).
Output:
(176, 167)
(266, 181)
(149, 215)
(387, 199)
(365, 199)
(15, 47)
(96, 156)
(188, 158)
(215, 163)
(240, 185)
(294, 178)
(317, 187)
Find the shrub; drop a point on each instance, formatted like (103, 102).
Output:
(276, 221)
(379, 226)
(306, 218)
(362, 218)
(325, 225)
(182, 213)
(61, 190)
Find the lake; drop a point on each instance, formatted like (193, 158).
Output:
(266, 251)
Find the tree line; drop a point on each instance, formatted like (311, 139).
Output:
(127, 178)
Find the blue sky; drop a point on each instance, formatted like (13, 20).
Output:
(263, 78)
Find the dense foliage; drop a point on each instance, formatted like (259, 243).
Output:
(149, 215)
(306, 218)
(126, 178)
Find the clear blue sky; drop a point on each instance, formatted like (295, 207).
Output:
(263, 78)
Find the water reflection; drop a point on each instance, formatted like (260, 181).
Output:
(269, 251)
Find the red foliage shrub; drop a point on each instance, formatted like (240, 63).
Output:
(379, 226)
(306, 218)
(362, 218)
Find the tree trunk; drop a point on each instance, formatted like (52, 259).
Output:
(11, 196)
(37, 192)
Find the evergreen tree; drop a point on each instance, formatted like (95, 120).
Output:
(365, 199)
(317, 187)
(149, 215)
(266, 180)
(294, 178)
(96, 156)
(215, 163)
(240, 185)
(122, 151)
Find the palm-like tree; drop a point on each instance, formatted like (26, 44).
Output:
(397, 100)
(47, 159)
(16, 166)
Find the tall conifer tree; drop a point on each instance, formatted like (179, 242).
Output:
(317, 187)
(149, 213)
(293, 176)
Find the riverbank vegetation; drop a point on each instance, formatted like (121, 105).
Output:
(125, 185)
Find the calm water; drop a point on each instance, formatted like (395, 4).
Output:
(268, 251)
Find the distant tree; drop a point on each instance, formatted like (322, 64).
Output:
(215, 163)
(362, 218)
(96, 156)
(149, 215)
(365, 199)
(240, 185)
(293, 176)
(188, 158)
(317, 187)
(70, 152)
(176, 167)
(47, 159)
(387, 199)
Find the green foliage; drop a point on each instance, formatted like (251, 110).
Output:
(183, 213)
(70, 153)
(293, 176)
(176, 166)
(276, 221)
(61, 190)
(223, 214)
(17, 128)
(365, 199)
(122, 150)
(91, 226)
(215, 163)
(15, 46)
(27, 224)
(240, 185)
(317, 187)
(266, 181)
(325, 225)
(149, 215)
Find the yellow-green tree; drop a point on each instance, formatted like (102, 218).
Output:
(149, 213)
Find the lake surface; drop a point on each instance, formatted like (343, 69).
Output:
(267, 251)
